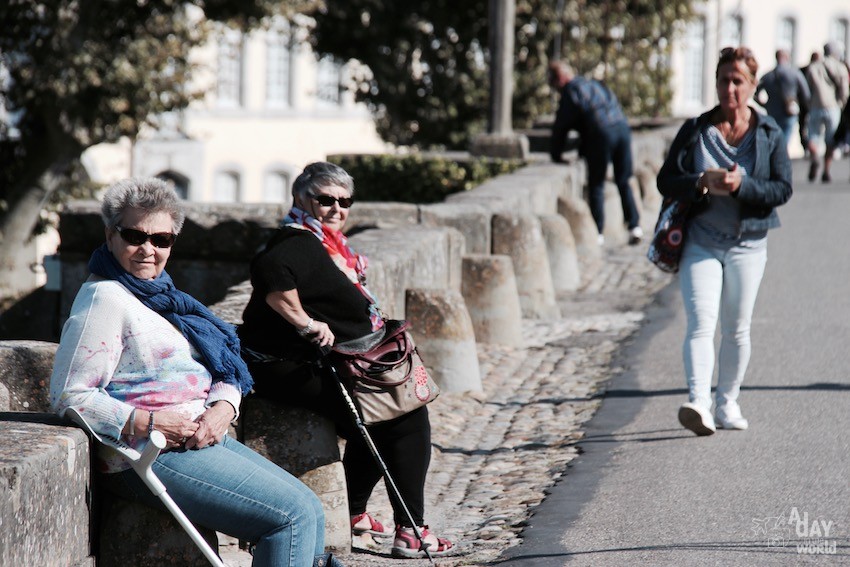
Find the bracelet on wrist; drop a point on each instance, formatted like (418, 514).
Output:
(150, 423)
(306, 329)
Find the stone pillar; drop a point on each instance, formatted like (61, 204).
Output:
(490, 292)
(577, 213)
(501, 141)
(615, 229)
(305, 444)
(442, 329)
(134, 534)
(25, 369)
(520, 237)
(561, 246)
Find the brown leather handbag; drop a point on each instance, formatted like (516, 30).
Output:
(384, 373)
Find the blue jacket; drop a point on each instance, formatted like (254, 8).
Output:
(591, 109)
(766, 187)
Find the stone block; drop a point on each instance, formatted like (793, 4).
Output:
(442, 329)
(381, 215)
(520, 237)
(561, 247)
(305, 444)
(132, 533)
(491, 297)
(508, 146)
(400, 258)
(25, 369)
(472, 220)
(44, 491)
(615, 229)
(577, 213)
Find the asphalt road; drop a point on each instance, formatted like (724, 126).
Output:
(647, 492)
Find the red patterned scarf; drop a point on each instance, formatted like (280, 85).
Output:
(350, 263)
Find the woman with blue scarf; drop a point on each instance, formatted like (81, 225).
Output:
(138, 355)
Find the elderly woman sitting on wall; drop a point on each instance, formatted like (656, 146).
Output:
(138, 355)
(310, 291)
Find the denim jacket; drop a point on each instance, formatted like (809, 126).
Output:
(766, 187)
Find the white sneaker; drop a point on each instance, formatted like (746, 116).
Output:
(601, 240)
(729, 417)
(635, 235)
(697, 419)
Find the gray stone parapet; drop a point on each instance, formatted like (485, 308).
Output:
(132, 533)
(444, 336)
(520, 237)
(25, 369)
(490, 292)
(45, 482)
(561, 248)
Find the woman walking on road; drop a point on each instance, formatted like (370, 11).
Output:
(732, 164)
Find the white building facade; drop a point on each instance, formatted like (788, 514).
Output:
(272, 107)
(801, 27)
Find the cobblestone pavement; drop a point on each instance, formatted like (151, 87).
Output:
(496, 453)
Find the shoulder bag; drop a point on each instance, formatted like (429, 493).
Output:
(665, 250)
(384, 373)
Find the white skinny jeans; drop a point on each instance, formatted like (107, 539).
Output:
(720, 282)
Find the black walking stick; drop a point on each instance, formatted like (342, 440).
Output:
(371, 444)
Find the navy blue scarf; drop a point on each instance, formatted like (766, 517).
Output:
(213, 338)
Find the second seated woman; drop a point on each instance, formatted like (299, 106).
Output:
(308, 291)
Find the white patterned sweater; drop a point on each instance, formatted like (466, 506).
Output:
(115, 354)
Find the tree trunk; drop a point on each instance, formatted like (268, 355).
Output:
(18, 222)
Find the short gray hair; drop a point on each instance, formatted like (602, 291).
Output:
(149, 194)
(321, 174)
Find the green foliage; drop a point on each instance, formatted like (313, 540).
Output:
(429, 76)
(418, 178)
(83, 73)
(429, 83)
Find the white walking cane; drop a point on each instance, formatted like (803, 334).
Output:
(141, 463)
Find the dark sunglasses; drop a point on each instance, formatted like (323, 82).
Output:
(137, 237)
(328, 201)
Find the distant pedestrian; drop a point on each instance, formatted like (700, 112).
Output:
(731, 163)
(787, 92)
(591, 109)
(828, 81)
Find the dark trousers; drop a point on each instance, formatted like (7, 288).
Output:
(404, 443)
(612, 146)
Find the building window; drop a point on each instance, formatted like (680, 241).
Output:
(732, 31)
(786, 37)
(694, 62)
(177, 181)
(226, 189)
(229, 80)
(278, 65)
(328, 82)
(276, 187)
(839, 30)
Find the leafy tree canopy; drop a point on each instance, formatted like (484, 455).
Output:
(77, 73)
(429, 82)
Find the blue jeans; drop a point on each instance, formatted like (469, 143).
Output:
(613, 146)
(720, 282)
(231, 489)
(786, 124)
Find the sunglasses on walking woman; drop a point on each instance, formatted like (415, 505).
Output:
(138, 237)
